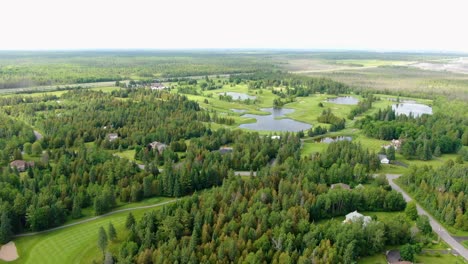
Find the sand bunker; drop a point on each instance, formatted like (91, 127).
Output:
(8, 252)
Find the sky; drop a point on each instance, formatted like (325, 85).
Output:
(377, 25)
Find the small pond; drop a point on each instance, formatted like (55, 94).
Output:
(238, 110)
(239, 96)
(414, 108)
(270, 123)
(329, 140)
(345, 100)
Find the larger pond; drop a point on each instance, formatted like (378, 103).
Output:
(329, 140)
(271, 123)
(413, 108)
(345, 100)
(239, 96)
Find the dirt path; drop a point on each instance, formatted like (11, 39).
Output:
(436, 227)
(8, 252)
(97, 217)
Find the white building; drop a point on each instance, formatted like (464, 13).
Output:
(383, 159)
(355, 216)
(157, 86)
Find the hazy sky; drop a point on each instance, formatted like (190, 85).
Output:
(313, 24)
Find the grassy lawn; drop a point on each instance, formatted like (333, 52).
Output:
(441, 258)
(420, 258)
(310, 148)
(76, 244)
(465, 243)
(307, 109)
(127, 154)
(375, 259)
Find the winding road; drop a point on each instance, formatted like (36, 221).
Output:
(97, 217)
(438, 228)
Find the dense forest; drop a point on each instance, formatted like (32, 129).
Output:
(270, 218)
(24, 69)
(77, 171)
(442, 191)
(422, 137)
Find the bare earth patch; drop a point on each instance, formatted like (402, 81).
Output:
(8, 252)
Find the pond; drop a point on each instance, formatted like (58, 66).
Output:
(270, 123)
(238, 110)
(345, 100)
(414, 108)
(239, 96)
(329, 140)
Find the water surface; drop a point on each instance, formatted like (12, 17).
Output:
(414, 108)
(329, 140)
(345, 100)
(239, 96)
(270, 123)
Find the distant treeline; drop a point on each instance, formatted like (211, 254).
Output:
(58, 68)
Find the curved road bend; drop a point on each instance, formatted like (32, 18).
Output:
(439, 229)
(97, 217)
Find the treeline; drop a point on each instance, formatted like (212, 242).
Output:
(335, 122)
(268, 218)
(362, 106)
(441, 191)
(141, 117)
(77, 67)
(204, 165)
(422, 137)
(13, 134)
(63, 182)
(294, 85)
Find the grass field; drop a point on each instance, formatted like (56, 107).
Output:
(420, 258)
(76, 244)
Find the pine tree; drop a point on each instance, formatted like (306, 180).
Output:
(112, 232)
(130, 221)
(76, 209)
(391, 153)
(5, 228)
(437, 152)
(102, 240)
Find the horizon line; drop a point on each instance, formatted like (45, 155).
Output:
(225, 49)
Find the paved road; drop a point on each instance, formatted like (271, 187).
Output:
(97, 217)
(440, 230)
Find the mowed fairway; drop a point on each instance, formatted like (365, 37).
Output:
(75, 244)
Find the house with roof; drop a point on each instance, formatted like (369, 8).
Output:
(157, 86)
(355, 216)
(160, 147)
(21, 165)
(225, 150)
(340, 185)
(383, 159)
(112, 136)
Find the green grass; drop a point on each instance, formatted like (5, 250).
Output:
(420, 258)
(441, 258)
(76, 244)
(465, 243)
(375, 259)
(127, 154)
(307, 109)
(311, 147)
